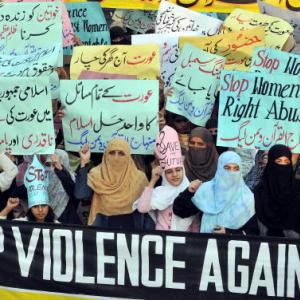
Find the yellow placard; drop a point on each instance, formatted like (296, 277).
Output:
(237, 47)
(140, 60)
(277, 31)
(224, 6)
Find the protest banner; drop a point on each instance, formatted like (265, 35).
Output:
(33, 26)
(266, 60)
(169, 51)
(99, 75)
(36, 64)
(138, 20)
(277, 31)
(67, 30)
(195, 83)
(236, 47)
(26, 116)
(292, 17)
(139, 60)
(51, 261)
(173, 18)
(224, 6)
(257, 110)
(89, 24)
(100, 110)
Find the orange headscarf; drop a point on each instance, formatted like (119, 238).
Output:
(116, 182)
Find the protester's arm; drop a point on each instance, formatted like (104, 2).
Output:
(63, 175)
(66, 181)
(144, 202)
(10, 171)
(183, 206)
(82, 190)
(10, 205)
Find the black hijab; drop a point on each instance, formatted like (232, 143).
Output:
(201, 163)
(277, 195)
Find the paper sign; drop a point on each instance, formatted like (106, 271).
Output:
(266, 60)
(30, 27)
(173, 18)
(139, 60)
(33, 65)
(138, 20)
(26, 116)
(195, 84)
(98, 75)
(169, 51)
(257, 110)
(89, 24)
(66, 24)
(222, 6)
(100, 110)
(236, 47)
(277, 30)
(292, 17)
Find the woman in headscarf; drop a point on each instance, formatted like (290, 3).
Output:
(159, 201)
(114, 185)
(39, 212)
(277, 196)
(36, 181)
(60, 188)
(225, 202)
(202, 157)
(252, 179)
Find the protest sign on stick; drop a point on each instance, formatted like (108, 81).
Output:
(139, 60)
(89, 24)
(26, 116)
(236, 47)
(195, 83)
(100, 110)
(258, 110)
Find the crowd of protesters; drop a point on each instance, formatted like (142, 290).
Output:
(207, 188)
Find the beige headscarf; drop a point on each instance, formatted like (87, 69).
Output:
(116, 182)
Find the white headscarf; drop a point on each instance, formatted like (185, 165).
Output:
(163, 196)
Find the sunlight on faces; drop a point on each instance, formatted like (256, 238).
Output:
(197, 142)
(282, 160)
(174, 176)
(40, 212)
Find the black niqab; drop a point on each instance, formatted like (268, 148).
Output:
(277, 195)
